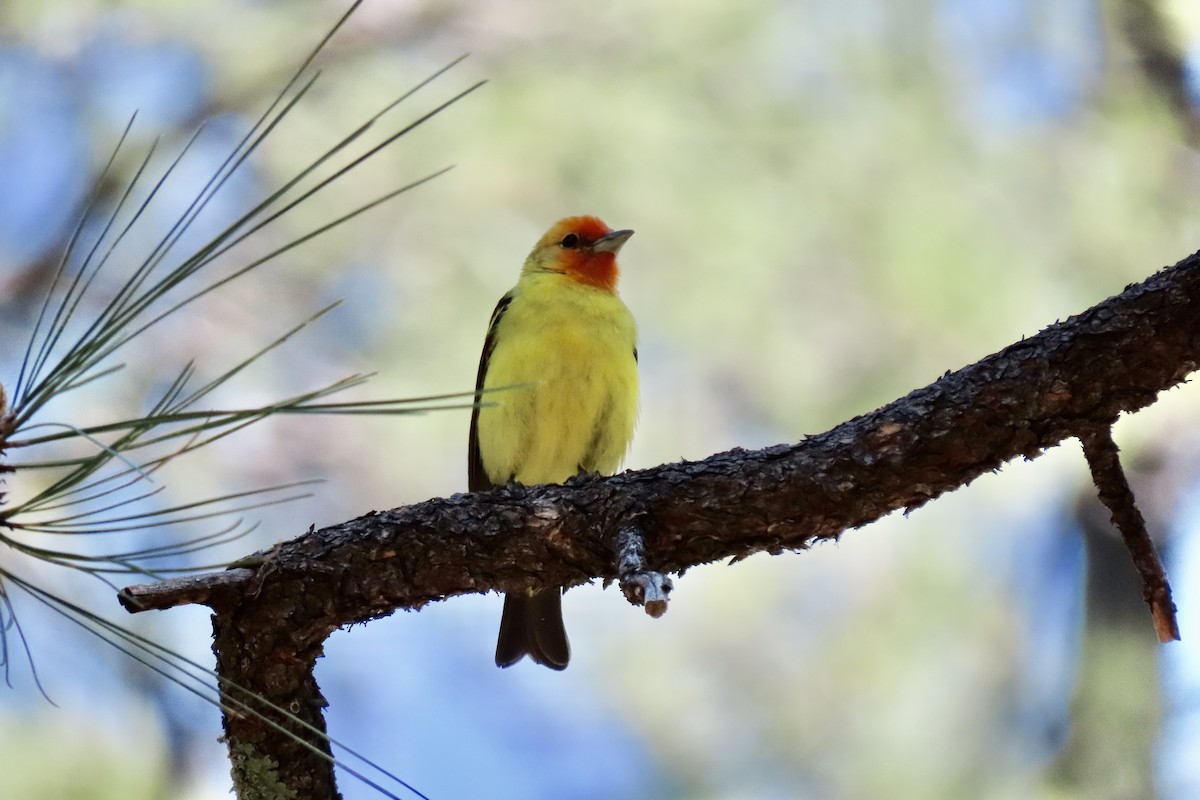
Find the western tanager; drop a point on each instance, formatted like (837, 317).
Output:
(563, 347)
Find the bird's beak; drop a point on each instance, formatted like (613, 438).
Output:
(611, 242)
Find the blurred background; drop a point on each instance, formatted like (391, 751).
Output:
(834, 204)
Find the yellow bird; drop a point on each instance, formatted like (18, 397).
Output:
(566, 347)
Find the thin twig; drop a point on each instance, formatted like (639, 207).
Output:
(1105, 463)
(641, 586)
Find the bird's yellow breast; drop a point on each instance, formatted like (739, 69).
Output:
(567, 351)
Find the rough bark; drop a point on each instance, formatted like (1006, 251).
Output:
(1071, 379)
(263, 666)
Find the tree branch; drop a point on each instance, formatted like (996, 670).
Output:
(1162, 60)
(1064, 382)
(1105, 463)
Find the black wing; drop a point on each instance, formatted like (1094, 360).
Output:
(477, 478)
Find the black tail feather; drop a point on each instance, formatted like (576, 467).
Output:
(532, 625)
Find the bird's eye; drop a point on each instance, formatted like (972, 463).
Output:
(570, 241)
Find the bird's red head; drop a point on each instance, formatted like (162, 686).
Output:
(583, 248)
